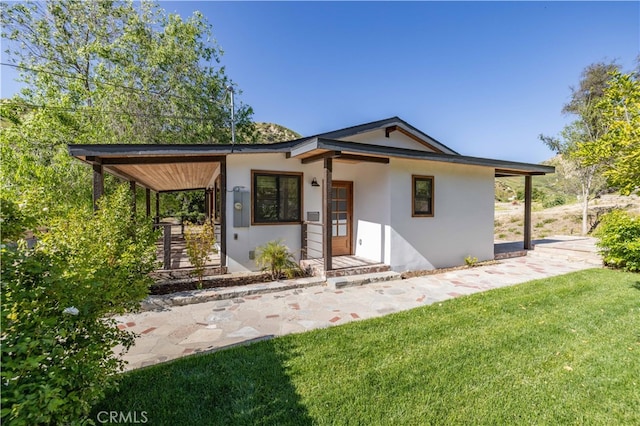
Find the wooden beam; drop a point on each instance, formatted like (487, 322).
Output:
(157, 220)
(132, 186)
(364, 158)
(389, 129)
(408, 134)
(168, 191)
(327, 213)
(507, 172)
(322, 156)
(147, 196)
(223, 213)
(98, 184)
(527, 212)
(166, 245)
(121, 161)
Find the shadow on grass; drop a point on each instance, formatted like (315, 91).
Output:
(636, 285)
(241, 385)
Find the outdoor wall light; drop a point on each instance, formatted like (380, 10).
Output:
(314, 182)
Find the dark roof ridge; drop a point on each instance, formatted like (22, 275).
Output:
(373, 125)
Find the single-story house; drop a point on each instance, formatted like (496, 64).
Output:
(382, 191)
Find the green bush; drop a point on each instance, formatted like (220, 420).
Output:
(200, 242)
(558, 200)
(537, 194)
(57, 338)
(619, 234)
(274, 257)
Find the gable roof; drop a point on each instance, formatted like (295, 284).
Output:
(389, 124)
(164, 167)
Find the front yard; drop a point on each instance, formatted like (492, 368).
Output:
(553, 351)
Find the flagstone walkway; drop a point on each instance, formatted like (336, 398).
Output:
(183, 330)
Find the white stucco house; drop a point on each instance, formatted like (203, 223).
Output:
(382, 191)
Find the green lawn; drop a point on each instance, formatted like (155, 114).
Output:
(564, 350)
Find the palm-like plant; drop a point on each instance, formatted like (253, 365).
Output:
(275, 257)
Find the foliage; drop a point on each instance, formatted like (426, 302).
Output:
(275, 257)
(57, 343)
(14, 219)
(558, 200)
(200, 240)
(119, 71)
(271, 132)
(471, 261)
(587, 128)
(104, 72)
(619, 146)
(557, 351)
(619, 234)
(536, 194)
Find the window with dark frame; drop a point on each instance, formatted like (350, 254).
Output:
(277, 197)
(422, 196)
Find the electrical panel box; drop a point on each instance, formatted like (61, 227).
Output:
(241, 208)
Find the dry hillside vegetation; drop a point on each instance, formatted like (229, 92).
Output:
(271, 132)
(559, 220)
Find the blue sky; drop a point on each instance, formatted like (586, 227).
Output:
(484, 78)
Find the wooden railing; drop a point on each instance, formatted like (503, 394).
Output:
(312, 240)
(166, 240)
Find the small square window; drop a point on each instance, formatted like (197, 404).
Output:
(422, 196)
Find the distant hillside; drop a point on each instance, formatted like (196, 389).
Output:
(271, 132)
(548, 188)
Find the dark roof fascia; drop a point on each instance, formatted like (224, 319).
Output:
(380, 124)
(123, 150)
(335, 145)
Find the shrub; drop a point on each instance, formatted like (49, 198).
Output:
(275, 257)
(558, 200)
(200, 242)
(619, 234)
(471, 261)
(57, 339)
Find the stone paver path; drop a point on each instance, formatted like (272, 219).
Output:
(184, 330)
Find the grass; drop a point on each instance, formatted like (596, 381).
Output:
(554, 351)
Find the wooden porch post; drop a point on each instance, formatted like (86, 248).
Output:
(327, 210)
(208, 209)
(98, 184)
(527, 212)
(132, 185)
(223, 213)
(147, 194)
(157, 207)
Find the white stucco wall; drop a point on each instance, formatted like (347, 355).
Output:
(462, 224)
(384, 230)
(371, 211)
(395, 139)
(242, 240)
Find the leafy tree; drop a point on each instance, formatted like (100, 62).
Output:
(618, 147)
(126, 73)
(106, 72)
(588, 127)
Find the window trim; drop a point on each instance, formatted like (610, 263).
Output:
(254, 193)
(413, 195)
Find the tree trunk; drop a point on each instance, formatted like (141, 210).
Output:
(585, 212)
